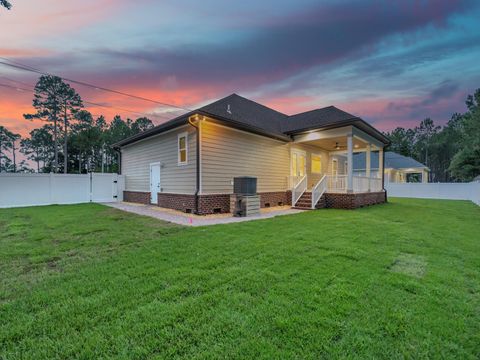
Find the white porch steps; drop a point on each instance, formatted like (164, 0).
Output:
(305, 202)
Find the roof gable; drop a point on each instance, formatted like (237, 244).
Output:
(316, 118)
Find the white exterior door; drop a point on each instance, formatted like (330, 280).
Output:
(154, 182)
(299, 163)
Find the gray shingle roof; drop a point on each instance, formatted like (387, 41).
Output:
(247, 112)
(315, 118)
(235, 110)
(392, 161)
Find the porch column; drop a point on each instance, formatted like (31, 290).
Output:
(425, 176)
(380, 167)
(349, 163)
(368, 155)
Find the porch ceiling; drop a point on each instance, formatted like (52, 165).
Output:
(337, 143)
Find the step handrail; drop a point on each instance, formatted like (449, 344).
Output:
(299, 189)
(318, 190)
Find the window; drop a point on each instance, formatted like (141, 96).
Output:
(182, 148)
(316, 164)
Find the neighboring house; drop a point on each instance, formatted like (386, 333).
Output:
(189, 163)
(398, 168)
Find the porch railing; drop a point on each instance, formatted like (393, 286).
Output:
(336, 183)
(318, 190)
(361, 183)
(299, 189)
(375, 184)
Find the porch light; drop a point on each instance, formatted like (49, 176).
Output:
(337, 147)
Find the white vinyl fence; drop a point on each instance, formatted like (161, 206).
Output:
(45, 189)
(451, 191)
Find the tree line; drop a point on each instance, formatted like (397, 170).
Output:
(452, 152)
(72, 140)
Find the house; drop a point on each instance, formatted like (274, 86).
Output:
(304, 160)
(398, 168)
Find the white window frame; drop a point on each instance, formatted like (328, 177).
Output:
(179, 136)
(311, 163)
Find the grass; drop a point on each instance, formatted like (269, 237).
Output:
(400, 280)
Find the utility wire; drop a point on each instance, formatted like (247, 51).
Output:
(87, 102)
(24, 67)
(16, 81)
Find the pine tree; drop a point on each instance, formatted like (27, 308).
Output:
(38, 147)
(6, 4)
(55, 100)
(5, 145)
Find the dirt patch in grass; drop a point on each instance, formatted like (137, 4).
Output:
(53, 262)
(409, 264)
(88, 232)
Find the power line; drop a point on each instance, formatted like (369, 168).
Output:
(85, 101)
(14, 87)
(16, 81)
(24, 67)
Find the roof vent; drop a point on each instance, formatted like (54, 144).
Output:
(228, 109)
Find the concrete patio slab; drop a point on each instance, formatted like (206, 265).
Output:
(181, 218)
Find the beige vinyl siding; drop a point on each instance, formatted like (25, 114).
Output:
(174, 178)
(227, 153)
(312, 178)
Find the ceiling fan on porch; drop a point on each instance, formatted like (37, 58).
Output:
(339, 147)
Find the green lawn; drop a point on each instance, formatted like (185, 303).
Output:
(390, 281)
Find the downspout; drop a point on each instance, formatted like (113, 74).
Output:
(383, 176)
(197, 185)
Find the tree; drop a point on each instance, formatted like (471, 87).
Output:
(5, 145)
(465, 164)
(141, 124)
(443, 146)
(432, 145)
(87, 138)
(402, 141)
(38, 147)
(24, 168)
(424, 133)
(13, 140)
(53, 99)
(7, 164)
(118, 130)
(71, 104)
(6, 4)
(47, 103)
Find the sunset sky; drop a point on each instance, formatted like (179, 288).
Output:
(392, 65)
